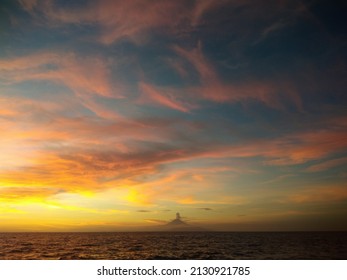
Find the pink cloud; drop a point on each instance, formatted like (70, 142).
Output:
(214, 89)
(211, 87)
(89, 74)
(296, 148)
(87, 77)
(34, 61)
(198, 60)
(164, 98)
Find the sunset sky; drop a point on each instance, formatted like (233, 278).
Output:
(115, 115)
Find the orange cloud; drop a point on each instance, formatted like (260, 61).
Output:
(228, 200)
(86, 154)
(23, 193)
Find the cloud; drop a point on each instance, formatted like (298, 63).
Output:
(278, 179)
(133, 20)
(117, 19)
(28, 5)
(69, 154)
(128, 19)
(86, 153)
(141, 112)
(205, 208)
(82, 75)
(202, 7)
(291, 149)
(225, 199)
(200, 63)
(77, 153)
(274, 27)
(327, 165)
(327, 194)
(164, 98)
(156, 221)
(307, 146)
(74, 131)
(212, 88)
(25, 193)
(88, 78)
(115, 25)
(178, 66)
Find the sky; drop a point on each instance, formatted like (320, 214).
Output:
(115, 115)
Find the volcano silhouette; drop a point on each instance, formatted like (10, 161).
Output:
(177, 221)
(178, 225)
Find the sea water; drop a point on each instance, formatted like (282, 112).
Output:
(174, 245)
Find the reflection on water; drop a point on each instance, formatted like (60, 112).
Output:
(174, 245)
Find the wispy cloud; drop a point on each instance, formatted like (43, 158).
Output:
(80, 75)
(205, 208)
(213, 88)
(328, 194)
(327, 165)
(87, 78)
(156, 221)
(124, 20)
(164, 98)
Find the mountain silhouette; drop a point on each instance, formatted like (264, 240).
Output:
(178, 225)
(177, 221)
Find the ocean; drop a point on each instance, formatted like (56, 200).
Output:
(174, 245)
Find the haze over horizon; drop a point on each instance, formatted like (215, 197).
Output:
(115, 115)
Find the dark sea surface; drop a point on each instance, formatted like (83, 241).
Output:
(174, 245)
